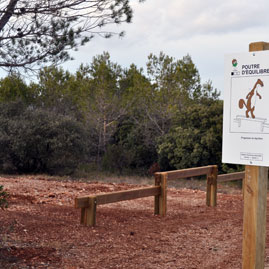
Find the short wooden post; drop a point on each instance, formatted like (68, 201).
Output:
(208, 189)
(157, 177)
(214, 176)
(90, 212)
(160, 202)
(163, 196)
(211, 187)
(82, 215)
(255, 202)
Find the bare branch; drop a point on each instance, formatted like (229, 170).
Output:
(8, 13)
(38, 32)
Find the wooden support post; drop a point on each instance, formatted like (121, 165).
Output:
(211, 187)
(82, 215)
(208, 189)
(254, 229)
(160, 201)
(255, 201)
(214, 176)
(157, 177)
(90, 212)
(163, 196)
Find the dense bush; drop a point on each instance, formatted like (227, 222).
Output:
(197, 140)
(129, 149)
(37, 140)
(117, 159)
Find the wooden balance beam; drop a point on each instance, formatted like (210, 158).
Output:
(88, 204)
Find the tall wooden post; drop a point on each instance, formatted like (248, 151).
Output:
(255, 201)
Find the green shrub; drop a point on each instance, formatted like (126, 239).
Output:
(36, 140)
(3, 198)
(117, 159)
(197, 140)
(131, 149)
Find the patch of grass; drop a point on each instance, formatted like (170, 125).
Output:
(91, 173)
(107, 177)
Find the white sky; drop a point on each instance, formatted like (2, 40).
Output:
(206, 30)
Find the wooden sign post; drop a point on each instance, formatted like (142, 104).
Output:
(255, 201)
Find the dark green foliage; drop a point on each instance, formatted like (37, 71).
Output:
(197, 140)
(3, 198)
(13, 88)
(117, 159)
(37, 140)
(59, 91)
(119, 120)
(231, 168)
(130, 147)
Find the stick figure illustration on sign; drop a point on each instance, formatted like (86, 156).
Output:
(251, 99)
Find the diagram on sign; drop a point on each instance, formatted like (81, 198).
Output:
(251, 99)
(249, 105)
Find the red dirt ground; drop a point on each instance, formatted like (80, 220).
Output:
(41, 229)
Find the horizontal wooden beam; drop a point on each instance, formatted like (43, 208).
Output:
(113, 197)
(190, 172)
(127, 195)
(231, 177)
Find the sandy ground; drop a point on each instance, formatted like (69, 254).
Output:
(41, 228)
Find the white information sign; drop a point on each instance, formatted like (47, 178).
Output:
(246, 109)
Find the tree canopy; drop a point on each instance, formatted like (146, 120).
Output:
(37, 32)
(116, 119)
